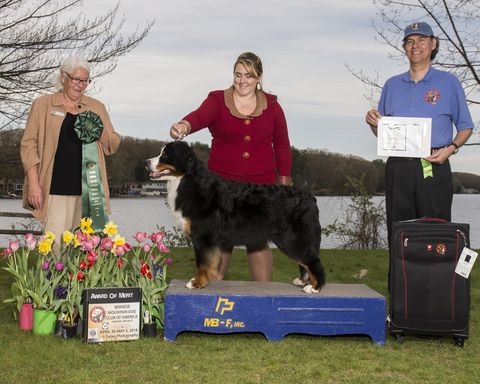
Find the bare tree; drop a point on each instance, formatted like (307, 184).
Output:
(35, 35)
(456, 24)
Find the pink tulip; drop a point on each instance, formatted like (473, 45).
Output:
(14, 245)
(31, 244)
(88, 245)
(45, 265)
(81, 237)
(119, 251)
(162, 248)
(95, 240)
(146, 248)
(7, 252)
(157, 237)
(29, 237)
(59, 266)
(168, 261)
(106, 244)
(140, 236)
(127, 247)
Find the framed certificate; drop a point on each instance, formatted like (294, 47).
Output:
(404, 136)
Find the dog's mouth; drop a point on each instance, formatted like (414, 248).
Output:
(157, 175)
(163, 171)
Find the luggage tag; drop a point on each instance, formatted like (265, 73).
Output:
(466, 261)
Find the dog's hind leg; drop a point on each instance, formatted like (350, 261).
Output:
(208, 261)
(316, 274)
(306, 255)
(303, 279)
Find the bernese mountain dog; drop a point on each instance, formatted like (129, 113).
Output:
(218, 214)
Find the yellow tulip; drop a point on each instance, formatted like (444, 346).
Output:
(86, 225)
(50, 237)
(44, 246)
(68, 237)
(119, 241)
(110, 228)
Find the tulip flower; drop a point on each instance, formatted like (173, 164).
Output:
(14, 245)
(140, 237)
(59, 266)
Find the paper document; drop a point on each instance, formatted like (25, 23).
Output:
(404, 136)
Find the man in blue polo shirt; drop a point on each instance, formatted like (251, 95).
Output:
(423, 91)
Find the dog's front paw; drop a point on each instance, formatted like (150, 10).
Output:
(310, 290)
(298, 282)
(189, 285)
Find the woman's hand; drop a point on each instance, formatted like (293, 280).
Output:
(35, 196)
(285, 180)
(34, 193)
(179, 130)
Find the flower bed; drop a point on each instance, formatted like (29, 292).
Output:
(86, 260)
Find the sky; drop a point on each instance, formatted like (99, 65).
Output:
(305, 46)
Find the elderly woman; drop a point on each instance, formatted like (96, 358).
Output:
(249, 141)
(51, 151)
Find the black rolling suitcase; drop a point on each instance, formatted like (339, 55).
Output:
(427, 297)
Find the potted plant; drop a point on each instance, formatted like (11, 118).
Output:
(71, 305)
(77, 248)
(44, 278)
(149, 269)
(17, 265)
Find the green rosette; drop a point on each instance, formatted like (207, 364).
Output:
(89, 128)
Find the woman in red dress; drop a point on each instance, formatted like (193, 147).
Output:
(249, 141)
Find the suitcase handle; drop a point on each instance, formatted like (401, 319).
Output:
(427, 220)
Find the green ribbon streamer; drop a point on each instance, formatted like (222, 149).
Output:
(88, 128)
(93, 197)
(427, 168)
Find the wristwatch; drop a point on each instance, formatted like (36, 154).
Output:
(456, 147)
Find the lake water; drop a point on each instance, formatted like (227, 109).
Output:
(134, 214)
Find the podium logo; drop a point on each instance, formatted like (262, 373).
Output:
(224, 305)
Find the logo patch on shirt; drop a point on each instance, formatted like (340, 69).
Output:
(431, 97)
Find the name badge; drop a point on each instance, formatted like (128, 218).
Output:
(57, 113)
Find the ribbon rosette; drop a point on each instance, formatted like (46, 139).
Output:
(89, 127)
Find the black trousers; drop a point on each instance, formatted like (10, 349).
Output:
(411, 196)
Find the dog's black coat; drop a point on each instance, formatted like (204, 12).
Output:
(224, 213)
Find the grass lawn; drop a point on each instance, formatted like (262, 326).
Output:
(246, 358)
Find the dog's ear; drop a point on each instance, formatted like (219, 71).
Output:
(183, 157)
(191, 160)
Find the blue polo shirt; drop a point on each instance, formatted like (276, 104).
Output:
(439, 95)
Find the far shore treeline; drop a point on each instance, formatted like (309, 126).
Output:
(319, 170)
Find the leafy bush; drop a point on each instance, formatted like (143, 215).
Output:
(363, 223)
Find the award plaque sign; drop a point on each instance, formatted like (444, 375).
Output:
(112, 314)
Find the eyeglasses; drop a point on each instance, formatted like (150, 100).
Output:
(77, 81)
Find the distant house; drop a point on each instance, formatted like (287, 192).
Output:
(468, 190)
(10, 188)
(156, 188)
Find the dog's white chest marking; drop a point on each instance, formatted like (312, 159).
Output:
(172, 186)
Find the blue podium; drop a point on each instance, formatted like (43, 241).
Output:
(274, 309)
